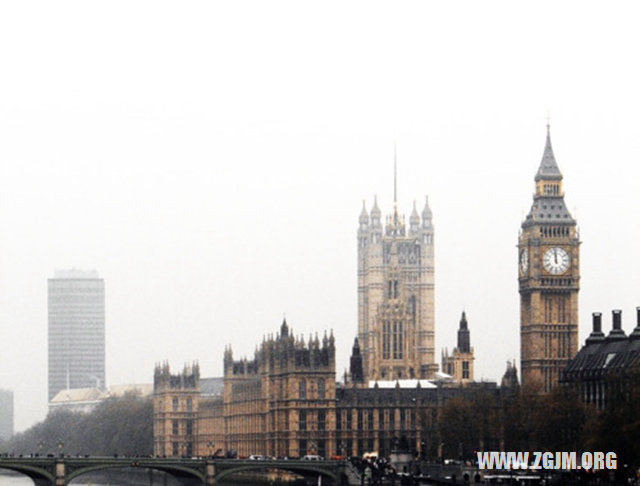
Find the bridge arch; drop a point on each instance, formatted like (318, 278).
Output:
(39, 475)
(173, 469)
(302, 470)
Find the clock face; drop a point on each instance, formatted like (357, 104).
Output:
(556, 260)
(524, 261)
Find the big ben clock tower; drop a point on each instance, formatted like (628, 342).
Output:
(549, 279)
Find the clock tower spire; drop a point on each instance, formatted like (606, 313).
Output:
(548, 278)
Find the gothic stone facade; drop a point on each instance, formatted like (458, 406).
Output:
(549, 280)
(396, 295)
(280, 403)
(285, 403)
(175, 410)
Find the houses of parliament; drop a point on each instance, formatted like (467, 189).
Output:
(286, 401)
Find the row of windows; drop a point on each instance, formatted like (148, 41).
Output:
(365, 419)
(554, 231)
(302, 389)
(384, 444)
(312, 447)
(188, 427)
(175, 404)
(555, 310)
(556, 282)
(182, 449)
(562, 344)
(321, 423)
(392, 340)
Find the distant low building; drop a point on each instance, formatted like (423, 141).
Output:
(86, 399)
(6, 414)
(606, 366)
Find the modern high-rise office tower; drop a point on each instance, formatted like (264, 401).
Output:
(6, 414)
(76, 331)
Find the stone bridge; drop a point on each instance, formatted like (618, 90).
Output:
(60, 471)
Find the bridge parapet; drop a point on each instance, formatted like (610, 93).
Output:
(57, 471)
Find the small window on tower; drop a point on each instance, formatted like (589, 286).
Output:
(321, 389)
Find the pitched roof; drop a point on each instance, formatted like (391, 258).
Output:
(548, 166)
(211, 387)
(78, 395)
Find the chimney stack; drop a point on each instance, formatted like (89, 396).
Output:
(636, 332)
(616, 333)
(596, 335)
(617, 319)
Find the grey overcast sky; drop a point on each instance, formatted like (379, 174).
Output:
(209, 160)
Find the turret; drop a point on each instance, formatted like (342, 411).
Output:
(414, 221)
(228, 360)
(510, 378)
(375, 214)
(463, 335)
(284, 329)
(364, 219)
(355, 368)
(427, 215)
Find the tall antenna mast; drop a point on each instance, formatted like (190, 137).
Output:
(395, 176)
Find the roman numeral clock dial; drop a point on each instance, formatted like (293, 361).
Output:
(524, 261)
(556, 260)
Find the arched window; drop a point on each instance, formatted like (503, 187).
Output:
(413, 309)
(321, 389)
(302, 390)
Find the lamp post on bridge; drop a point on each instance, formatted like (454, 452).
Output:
(60, 448)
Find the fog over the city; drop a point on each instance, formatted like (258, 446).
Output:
(210, 159)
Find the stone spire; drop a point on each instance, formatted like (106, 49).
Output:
(464, 340)
(284, 329)
(427, 215)
(364, 217)
(548, 169)
(375, 212)
(355, 368)
(414, 220)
